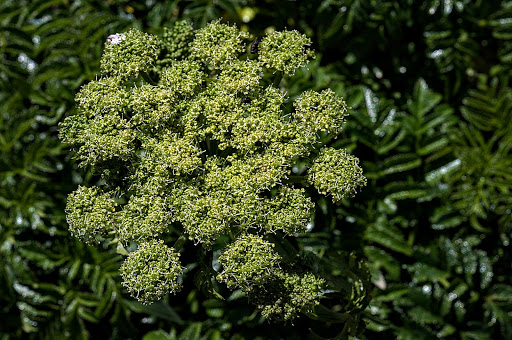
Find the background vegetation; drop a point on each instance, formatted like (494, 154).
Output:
(428, 83)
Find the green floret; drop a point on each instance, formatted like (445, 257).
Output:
(101, 97)
(240, 77)
(254, 173)
(247, 262)
(285, 51)
(152, 271)
(336, 173)
(261, 122)
(176, 42)
(286, 295)
(182, 77)
(289, 211)
(218, 44)
(144, 217)
(90, 213)
(204, 216)
(128, 54)
(251, 264)
(151, 107)
(323, 111)
(171, 154)
(105, 138)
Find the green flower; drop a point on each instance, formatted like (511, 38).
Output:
(247, 262)
(151, 272)
(90, 213)
(201, 145)
(285, 51)
(287, 294)
(175, 42)
(290, 211)
(128, 54)
(320, 112)
(336, 173)
(144, 217)
(183, 77)
(218, 44)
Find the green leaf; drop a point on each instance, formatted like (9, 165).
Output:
(424, 316)
(192, 332)
(389, 236)
(423, 99)
(400, 163)
(422, 272)
(158, 309)
(158, 335)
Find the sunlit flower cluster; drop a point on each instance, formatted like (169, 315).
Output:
(189, 134)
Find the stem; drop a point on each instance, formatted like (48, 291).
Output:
(297, 179)
(180, 242)
(277, 79)
(147, 78)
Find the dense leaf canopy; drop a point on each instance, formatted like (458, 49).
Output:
(427, 84)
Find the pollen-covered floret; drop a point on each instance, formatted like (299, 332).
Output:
(323, 111)
(285, 51)
(336, 173)
(144, 217)
(218, 44)
(287, 294)
(102, 96)
(171, 154)
(90, 213)
(151, 107)
(176, 41)
(251, 264)
(182, 77)
(105, 138)
(152, 271)
(131, 53)
(240, 77)
(248, 262)
(290, 211)
(204, 216)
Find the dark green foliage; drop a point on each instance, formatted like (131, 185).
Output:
(434, 220)
(428, 82)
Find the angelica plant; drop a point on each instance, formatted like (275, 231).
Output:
(191, 136)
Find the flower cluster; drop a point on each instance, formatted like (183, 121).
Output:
(287, 294)
(251, 264)
(218, 44)
(191, 136)
(248, 262)
(152, 271)
(336, 173)
(285, 51)
(129, 53)
(90, 213)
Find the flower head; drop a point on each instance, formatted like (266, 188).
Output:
(152, 271)
(191, 132)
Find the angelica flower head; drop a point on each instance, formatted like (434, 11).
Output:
(190, 136)
(127, 54)
(152, 271)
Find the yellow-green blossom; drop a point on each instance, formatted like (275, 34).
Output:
(127, 54)
(336, 173)
(152, 271)
(196, 141)
(285, 51)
